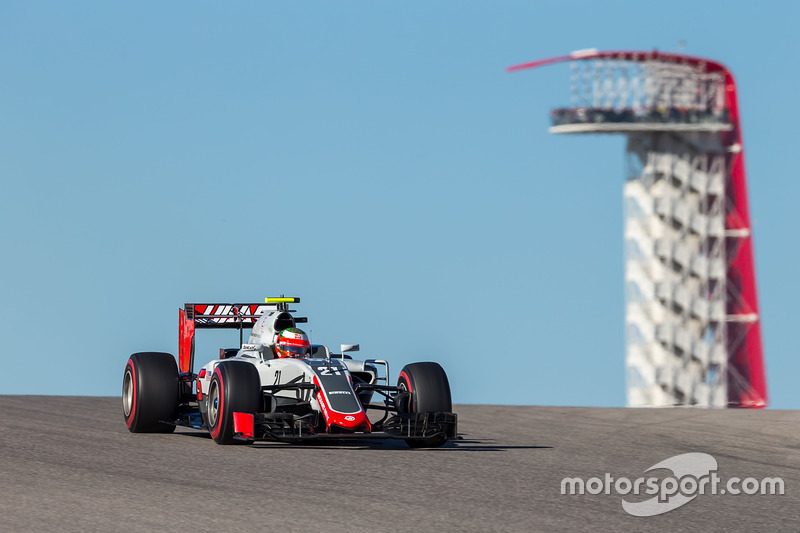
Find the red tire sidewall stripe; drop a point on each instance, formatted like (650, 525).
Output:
(405, 378)
(134, 399)
(215, 431)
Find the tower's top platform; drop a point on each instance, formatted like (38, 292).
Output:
(638, 128)
(628, 92)
(602, 120)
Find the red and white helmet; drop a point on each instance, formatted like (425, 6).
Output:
(292, 342)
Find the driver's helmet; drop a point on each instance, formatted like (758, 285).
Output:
(292, 342)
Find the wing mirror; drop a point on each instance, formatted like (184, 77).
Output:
(350, 348)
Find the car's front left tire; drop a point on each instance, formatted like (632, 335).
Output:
(425, 389)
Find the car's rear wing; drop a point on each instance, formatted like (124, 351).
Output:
(222, 315)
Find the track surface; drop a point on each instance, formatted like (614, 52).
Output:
(70, 464)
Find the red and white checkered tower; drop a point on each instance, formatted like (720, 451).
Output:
(693, 333)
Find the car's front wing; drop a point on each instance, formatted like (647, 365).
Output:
(289, 427)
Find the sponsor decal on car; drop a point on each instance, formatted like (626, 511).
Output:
(332, 370)
(206, 314)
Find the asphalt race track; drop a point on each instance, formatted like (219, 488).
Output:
(70, 464)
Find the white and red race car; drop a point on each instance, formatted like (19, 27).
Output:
(248, 394)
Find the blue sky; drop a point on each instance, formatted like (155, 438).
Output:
(373, 158)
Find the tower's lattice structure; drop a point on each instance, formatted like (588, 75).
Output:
(693, 335)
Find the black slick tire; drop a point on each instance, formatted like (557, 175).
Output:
(235, 387)
(426, 389)
(150, 392)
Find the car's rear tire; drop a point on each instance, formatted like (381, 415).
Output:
(426, 389)
(235, 387)
(150, 392)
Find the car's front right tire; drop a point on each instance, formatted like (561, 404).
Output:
(235, 387)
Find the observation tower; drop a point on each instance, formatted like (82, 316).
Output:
(693, 334)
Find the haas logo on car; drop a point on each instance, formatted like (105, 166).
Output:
(349, 418)
(210, 314)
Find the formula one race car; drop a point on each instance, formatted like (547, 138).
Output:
(278, 386)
